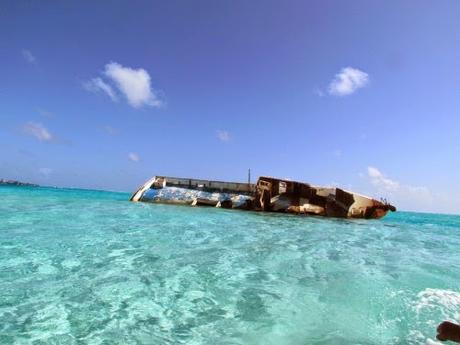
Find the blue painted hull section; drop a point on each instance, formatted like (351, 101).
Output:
(177, 195)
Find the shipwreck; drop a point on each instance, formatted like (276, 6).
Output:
(269, 194)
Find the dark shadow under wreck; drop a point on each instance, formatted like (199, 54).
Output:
(268, 194)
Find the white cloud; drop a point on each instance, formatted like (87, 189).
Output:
(134, 84)
(223, 135)
(134, 157)
(28, 56)
(45, 171)
(97, 85)
(348, 81)
(38, 131)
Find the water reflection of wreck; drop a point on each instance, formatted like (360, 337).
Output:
(268, 194)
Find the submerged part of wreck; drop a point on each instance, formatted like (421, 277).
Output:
(268, 194)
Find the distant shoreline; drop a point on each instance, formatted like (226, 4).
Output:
(4, 182)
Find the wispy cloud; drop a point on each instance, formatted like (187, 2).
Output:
(405, 195)
(110, 130)
(338, 152)
(223, 135)
(45, 171)
(134, 157)
(38, 131)
(382, 182)
(98, 85)
(28, 56)
(45, 113)
(347, 81)
(318, 92)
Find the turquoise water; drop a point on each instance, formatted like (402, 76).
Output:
(89, 267)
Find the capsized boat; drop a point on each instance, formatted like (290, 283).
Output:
(269, 194)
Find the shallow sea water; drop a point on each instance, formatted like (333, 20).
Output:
(89, 267)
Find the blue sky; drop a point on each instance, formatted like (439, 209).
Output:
(361, 94)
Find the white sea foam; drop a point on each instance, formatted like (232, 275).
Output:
(446, 302)
(430, 307)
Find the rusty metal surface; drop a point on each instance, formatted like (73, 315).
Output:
(279, 195)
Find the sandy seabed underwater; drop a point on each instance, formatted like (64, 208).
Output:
(89, 267)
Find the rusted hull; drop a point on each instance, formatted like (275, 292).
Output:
(272, 194)
(269, 195)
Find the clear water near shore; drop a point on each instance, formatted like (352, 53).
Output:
(89, 267)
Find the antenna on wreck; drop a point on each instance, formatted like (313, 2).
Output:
(249, 176)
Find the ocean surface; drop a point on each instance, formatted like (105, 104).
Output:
(89, 267)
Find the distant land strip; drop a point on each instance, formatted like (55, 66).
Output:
(4, 182)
